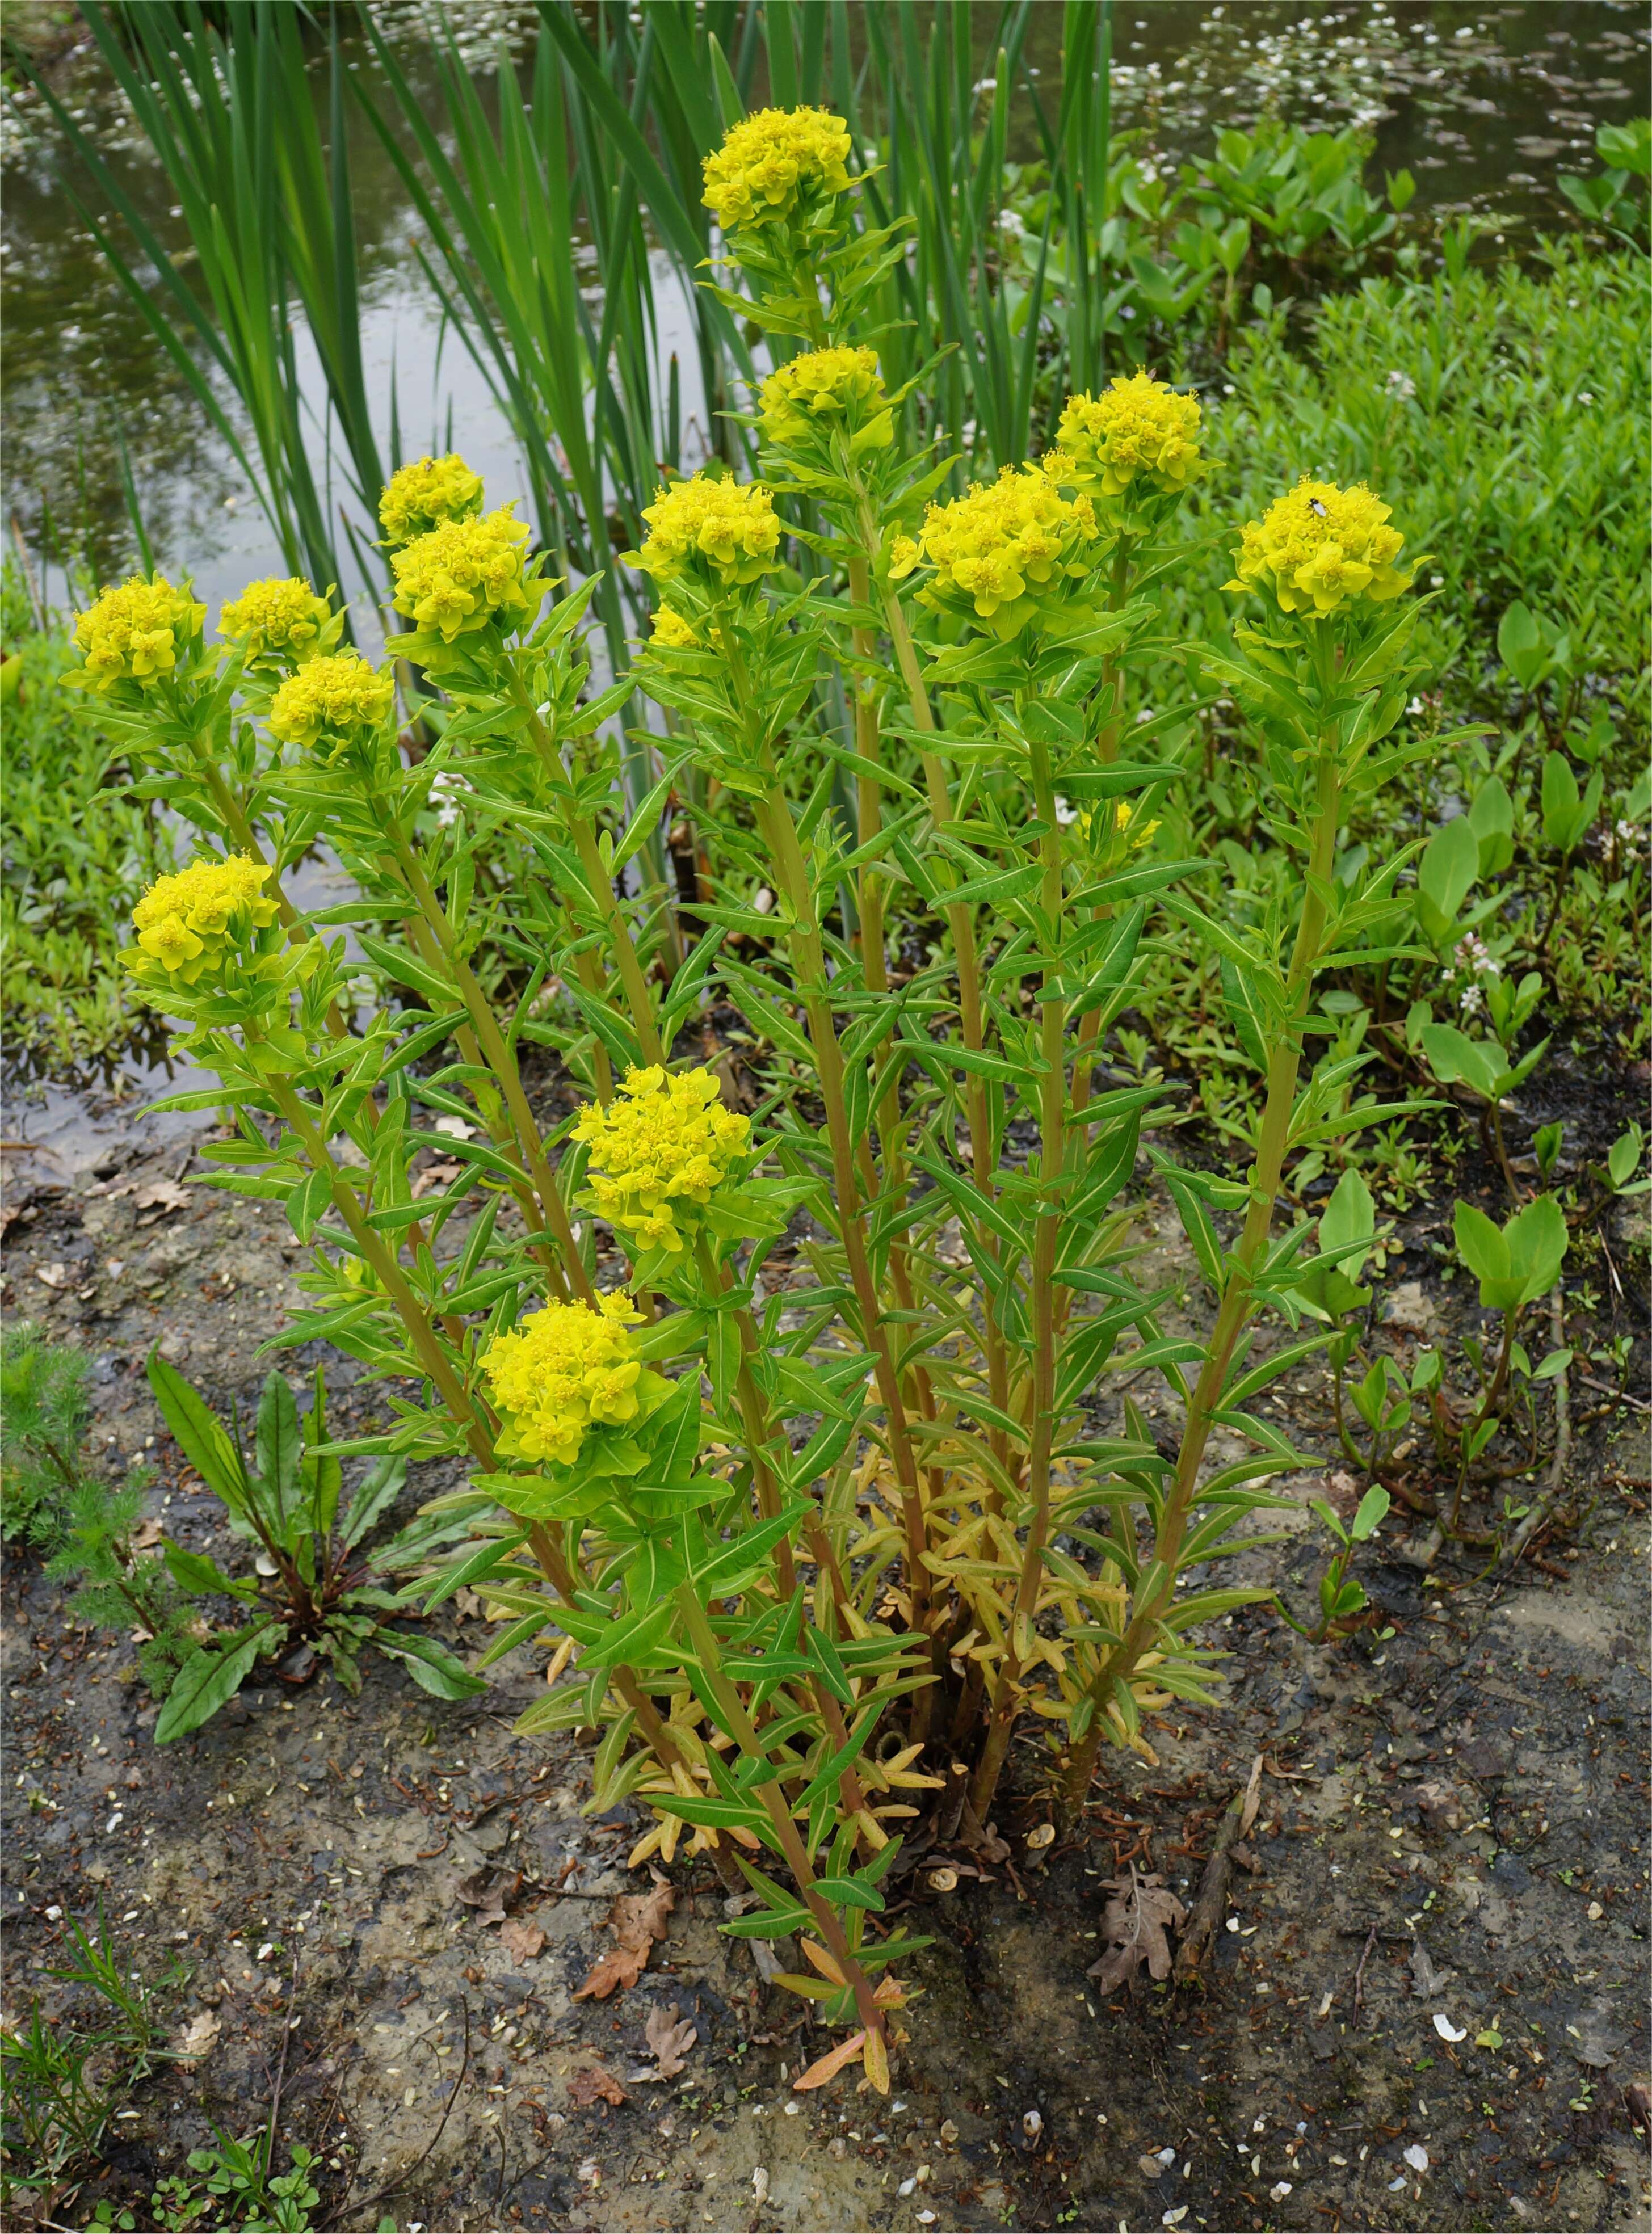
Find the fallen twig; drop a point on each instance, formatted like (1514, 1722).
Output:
(1211, 1900)
(1359, 1975)
(344, 2206)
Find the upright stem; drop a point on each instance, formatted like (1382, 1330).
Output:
(601, 886)
(1051, 1168)
(961, 924)
(500, 1061)
(810, 959)
(746, 1735)
(1285, 1060)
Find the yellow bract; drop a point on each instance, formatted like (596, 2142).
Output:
(1319, 548)
(338, 697)
(1002, 547)
(135, 633)
(566, 1369)
(426, 493)
(276, 618)
(1138, 427)
(464, 574)
(772, 162)
(671, 629)
(826, 388)
(186, 922)
(1122, 811)
(658, 1151)
(727, 529)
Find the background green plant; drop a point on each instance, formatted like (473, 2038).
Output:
(69, 873)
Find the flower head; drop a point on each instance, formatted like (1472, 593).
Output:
(671, 630)
(725, 529)
(1137, 430)
(135, 634)
(1122, 821)
(334, 699)
(188, 922)
(658, 1151)
(775, 164)
(566, 1369)
(1004, 549)
(276, 619)
(828, 389)
(1319, 548)
(464, 574)
(424, 494)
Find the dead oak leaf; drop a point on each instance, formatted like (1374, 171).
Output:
(592, 2084)
(637, 1920)
(520, 1938)
(162, 1195)
(669, 2039)
(489, 1891)
(1140, 1910)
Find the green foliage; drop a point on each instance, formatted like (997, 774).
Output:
(119, 1587)
(1519, 1263)
(43, 1411)
(318, 1585)
(62, 2080)
(73, 855)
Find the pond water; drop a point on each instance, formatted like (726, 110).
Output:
(1485, 104)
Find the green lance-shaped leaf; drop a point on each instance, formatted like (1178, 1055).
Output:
(210, 1676)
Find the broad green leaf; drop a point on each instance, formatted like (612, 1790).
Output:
(211, 1674)
(431, 1665)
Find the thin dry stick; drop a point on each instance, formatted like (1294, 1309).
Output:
(1213, 1895)
(366, 2202)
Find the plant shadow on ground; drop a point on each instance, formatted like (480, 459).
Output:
(1452, 1825)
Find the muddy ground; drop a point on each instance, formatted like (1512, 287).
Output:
(1427, 2009)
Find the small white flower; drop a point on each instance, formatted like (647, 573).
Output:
(1398, 384)
(1012, 225)
(1584, 396)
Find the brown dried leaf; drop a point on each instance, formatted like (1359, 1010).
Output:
(1140, 1908)
(592, 2084)
(520, 1938)
(161, 1194)
(669, 2039)
(829, 2065)
(145, 1535)
(489, 1891)
(637, 1920)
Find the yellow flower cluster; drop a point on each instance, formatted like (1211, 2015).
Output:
(826, 389)
(337, 696)
(420, 496)
(563, 1371)
(774, 161)
(670, 630)
(658, 1151)
(276, 619)
(1136, 429)
(728, 528)
(135, 633)
(186, 922)
(464, 574)
(1122, 812)
(1004, 546)
(1319, 548)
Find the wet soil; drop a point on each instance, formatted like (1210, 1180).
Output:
(1427, 2008)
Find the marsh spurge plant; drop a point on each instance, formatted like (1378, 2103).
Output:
(821, 1531)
